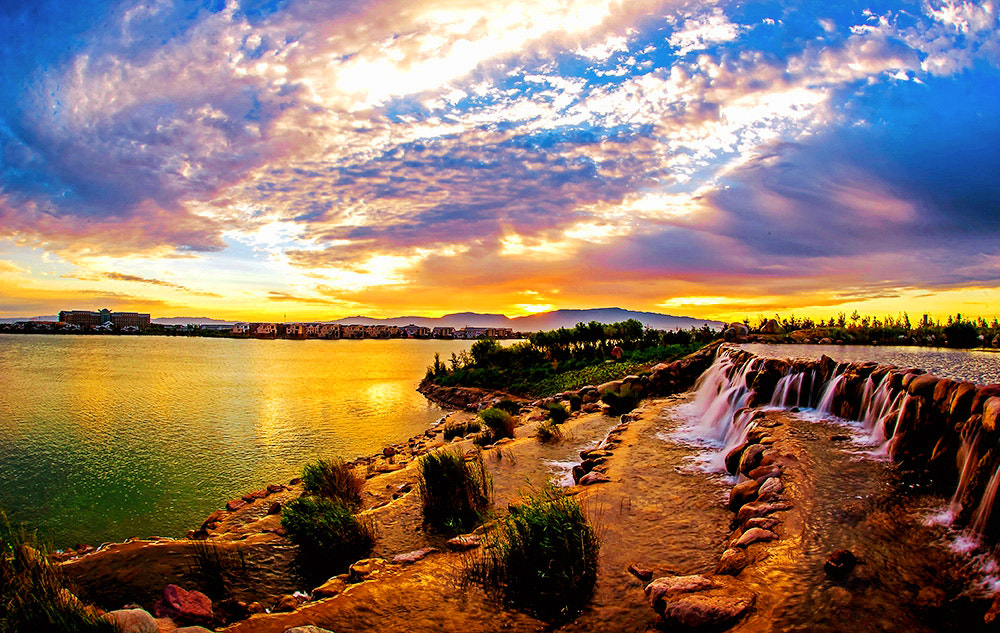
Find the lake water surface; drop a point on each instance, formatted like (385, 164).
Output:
(107, 437)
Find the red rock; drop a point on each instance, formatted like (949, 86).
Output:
(642, 573)
(462, 543)
(732, 562)
(755, 535)
(235, 505)
(991, 414)
(742, 493)
(411, 557)
(697, 602)
(184, 607)
(594, 478)
(759, 509)
(840, 563)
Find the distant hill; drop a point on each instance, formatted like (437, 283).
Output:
(51, 317)
(541, 321)
(190, 321)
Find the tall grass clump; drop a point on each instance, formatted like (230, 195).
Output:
(455, 492)
(541, 558)
(548, 431)
(575, 402)
(498, 423)
(509, 406)
(461, 428)
(32, 592)
(623, 401)
(328, 534)
(333, 479)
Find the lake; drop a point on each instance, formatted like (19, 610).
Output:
(107, 437)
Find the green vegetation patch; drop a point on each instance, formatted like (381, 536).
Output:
(456, 492)
(541, 558)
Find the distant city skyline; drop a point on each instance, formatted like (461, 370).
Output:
(300, 161)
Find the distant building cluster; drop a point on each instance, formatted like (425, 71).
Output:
(104, 320)
(338, 331)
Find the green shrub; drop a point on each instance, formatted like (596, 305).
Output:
(575, 402)
(548, 431)
(329, 536)
(460, 428)
(333, 479)
(557, 412)
(455, 492)
(509, 406)
(32, 591)
(499, 422)
(541, 558)
(623, 401)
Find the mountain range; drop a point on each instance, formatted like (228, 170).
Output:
(531, 323)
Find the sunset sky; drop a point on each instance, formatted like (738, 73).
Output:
(252, 159)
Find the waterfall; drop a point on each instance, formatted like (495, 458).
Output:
(982, 517)
(968, 456)
(788, 392)
(831, 391)
(879, 404)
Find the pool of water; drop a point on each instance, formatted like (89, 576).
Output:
(104, 438)
(981, 367)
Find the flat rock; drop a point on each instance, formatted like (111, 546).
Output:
(184, 607)
(770, 489)
(309, 628)
(641, 572)
(411, 557)
(759, 509)
(755, 535)
(330, 588)
(463, 542)
(699, 602)
(133, 621)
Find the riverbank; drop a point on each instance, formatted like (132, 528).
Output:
(677, 542)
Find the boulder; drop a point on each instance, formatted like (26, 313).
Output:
(235, 504)
(329, 588)
(308, 628)
(133, 621)
(732, 562)
(699, 602)
(755, 535)
(961, 401)
(771, 326)
(594, 477)
(742, 493)
(991, 413)
(735, 332)
(840, 563)
(733, 458)
(184, 607)
(641, 572)
(285, 604)
(366, 568)
(770, 489)
(767, 523)
(923, 386)
(751, 458)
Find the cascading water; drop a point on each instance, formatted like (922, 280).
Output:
(832, 390)
(982, 516)
(789, 391)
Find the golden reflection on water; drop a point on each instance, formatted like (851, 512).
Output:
(157, 432)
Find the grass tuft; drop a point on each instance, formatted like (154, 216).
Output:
(541, 558)
(329, 536)
(623, 401)
(455, 491)
(548, 431)
(557, 412)
(333, 479)
(33, 596)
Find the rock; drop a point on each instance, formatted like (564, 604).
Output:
(308, 628)
(594, 478)
(762, 473)
(755, 535)
(285, 604)
(642, 573)
(923, 386)
(991, 414)
(994, 610)
(273, 488)
(388, 452)
(192, 629)
(463, 543)
(840, 563)
(735, 332)
(366, 568)
(255, 607)
(235, 505)
(133, 621)
(733, 458)
(275, 508)
(698, 602)
(743, 493)
(770, 489)
(759, 509)
(771, 327)
(751, 458)
(184, 607)
(732, 562)
(231, 610)
(767, 523)
(411, 557)
(329, 589)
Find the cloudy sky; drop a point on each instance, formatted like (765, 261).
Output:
(315, 159)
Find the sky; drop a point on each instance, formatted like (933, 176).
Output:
(307, 159)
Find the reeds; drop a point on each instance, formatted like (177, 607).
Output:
(455, 491)
(333, 479)
(328, 534)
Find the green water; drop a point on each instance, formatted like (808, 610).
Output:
(104, 437)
